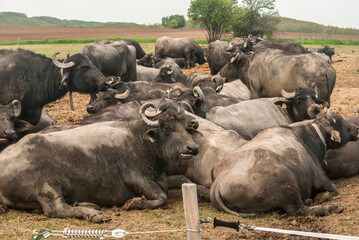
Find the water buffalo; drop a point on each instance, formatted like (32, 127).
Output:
(217, 55)
(280, 169)
(268, 71)
(123, 92)
(327, 51)
(114, 59)
(139, 51)
(103, 164)
(200, 101)
(12, 128)
(179, 47)
(146, 61)
(36, 80)
(344, 161)
(289, 47)
(252, 116)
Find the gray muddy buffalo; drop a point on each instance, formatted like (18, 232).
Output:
(268, 71)
(280, 169)
(36, 80)
(289, 47)
(113, 59)
(119, 163)
(252, 116)
(217, 55)
(179, 47)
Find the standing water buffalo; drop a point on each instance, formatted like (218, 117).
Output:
(139, 51)
(280, 169)
(36, 80)
(106, 164)
(268, 71)
(179, 47)
(114, 59)
(217, 55)
(284, 46)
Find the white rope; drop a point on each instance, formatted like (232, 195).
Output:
(307, 234)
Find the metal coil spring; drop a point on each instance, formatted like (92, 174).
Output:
(75, 233)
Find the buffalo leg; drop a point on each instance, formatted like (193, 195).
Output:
(176, 181)
(54, 205)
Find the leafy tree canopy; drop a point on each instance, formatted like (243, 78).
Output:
(255, 17)
(174, 21)
(212, 15)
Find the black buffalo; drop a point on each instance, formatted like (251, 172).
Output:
(113, 59)
(179, 47)
(105, 164)
(36, 80)
(139, 51)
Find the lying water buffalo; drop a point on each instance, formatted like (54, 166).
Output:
(106, 164)
(36, 80)
(344, 161)
(280, 169)
(179, 47)
(252, 116)
(268, 71)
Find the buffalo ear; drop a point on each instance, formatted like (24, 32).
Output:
(150, 135)
(322, 104)
(335, 136)
(22, 126)
(283, 102)
(17, 107)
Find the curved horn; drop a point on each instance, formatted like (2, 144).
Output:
(244, 45)
(215, 80)
(60, 64)
(186, 105)
(17, 107)
(172, 90)
(197, 92)
(123, 95)
(144, 117)
(197, 81)
(170, 71)
(287, 94)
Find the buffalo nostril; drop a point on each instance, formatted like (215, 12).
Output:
(193, 149)
(10, 134)
(90, 108)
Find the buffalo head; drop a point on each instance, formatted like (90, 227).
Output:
(169, 129)
(10, 124)
(302, 104)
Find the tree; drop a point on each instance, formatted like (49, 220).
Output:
(174, 21)
(255, 17)
(212, 15)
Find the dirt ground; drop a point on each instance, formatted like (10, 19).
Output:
(28, 33)
(345, 100)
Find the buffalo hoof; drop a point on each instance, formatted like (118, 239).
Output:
(86, 204)
(3, 208)
(133, 203)
(323, 197)
(98, 217)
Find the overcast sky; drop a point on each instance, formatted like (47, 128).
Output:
(341, 13)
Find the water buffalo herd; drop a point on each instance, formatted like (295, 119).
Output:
(256, 134)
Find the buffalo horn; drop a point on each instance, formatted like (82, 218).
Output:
(234, 58)
(172, 90)
(170, 71)
(147, 121)
(197, 92)
(123, 95)
(17, 107)
(186, 106)
(313, 110)
(287, 94)
(60, 64)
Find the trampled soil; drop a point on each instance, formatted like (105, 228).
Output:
(345, 100)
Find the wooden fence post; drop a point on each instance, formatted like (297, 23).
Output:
(190, 202)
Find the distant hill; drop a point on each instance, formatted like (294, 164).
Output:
(293, 25)
(13, 19)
